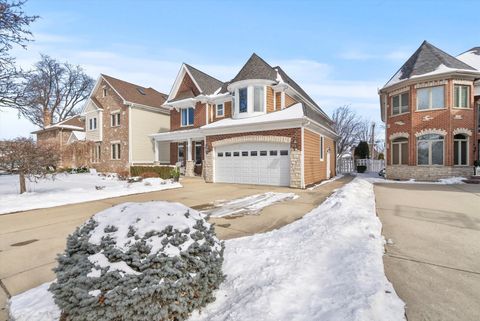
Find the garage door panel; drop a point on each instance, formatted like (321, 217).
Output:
(256, 163)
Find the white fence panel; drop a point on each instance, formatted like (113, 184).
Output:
(373, 165)
(345, 165)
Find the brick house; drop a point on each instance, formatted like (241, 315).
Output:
(119, 116)
(431, 109)
(259, 128)
(62, 134)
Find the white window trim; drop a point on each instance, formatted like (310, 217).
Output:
(250, 102)
(430, 99)
(181, 117)
(400, 106)
(117, 151)
(93, 122)
(430, 151)
(322, 147)
(223, 110)
(399, 152)
(459, 150)
(116, 123)
(468, 96)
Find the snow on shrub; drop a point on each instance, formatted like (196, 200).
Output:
(139, 261)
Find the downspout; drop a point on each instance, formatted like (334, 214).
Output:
(130, 156)
(302, 158)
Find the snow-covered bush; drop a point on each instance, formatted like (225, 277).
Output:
(139, 261)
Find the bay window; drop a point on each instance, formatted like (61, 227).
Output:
(431, 98)
(400, 151)
(187, 116)
(400, 103)
(460, 149)
(461, 96)
(430, 149)
(258, 99)
(243, 100)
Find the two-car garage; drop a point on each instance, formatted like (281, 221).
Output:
(259, 163)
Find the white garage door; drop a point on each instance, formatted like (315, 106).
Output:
(253, 163)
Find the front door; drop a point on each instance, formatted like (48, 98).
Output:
(181, 154)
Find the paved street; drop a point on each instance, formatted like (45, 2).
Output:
(30, 241)
(434, 261)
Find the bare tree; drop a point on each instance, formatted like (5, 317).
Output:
(28, 159)
(346, 124)
(14, 30)
(53, 91)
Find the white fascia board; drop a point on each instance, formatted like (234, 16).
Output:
(195, 133)
(249, 82)
(91, 92)
(255, 127)
(319, 128)
(176, 84)
(124, 101)
(188, 102)
(147, 108)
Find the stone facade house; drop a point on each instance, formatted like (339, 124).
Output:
(119, 116)
(63, 134)
(431, 111)
(260, 127)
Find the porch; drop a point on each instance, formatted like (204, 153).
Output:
(187, 150)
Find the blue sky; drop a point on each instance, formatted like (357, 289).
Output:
(339, 51)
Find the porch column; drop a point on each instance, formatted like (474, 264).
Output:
(156, 156)
(189, 164)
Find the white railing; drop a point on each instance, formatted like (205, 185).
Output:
(345, 165)
(373, 165)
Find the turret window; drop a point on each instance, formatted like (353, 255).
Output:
(243, 100)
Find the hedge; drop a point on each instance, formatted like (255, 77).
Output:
(164, 172)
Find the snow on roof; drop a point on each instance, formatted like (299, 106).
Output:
(79, 135)
(290, 113)
(64, 126)
(471, 58)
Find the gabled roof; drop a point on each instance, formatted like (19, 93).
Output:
(71, 123)
(76, 136)
(135, 93)
(428, 60)
(208, 84)
(471, 57)
(255, 68)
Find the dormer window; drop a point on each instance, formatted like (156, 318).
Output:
(243, 100)
(104, 92)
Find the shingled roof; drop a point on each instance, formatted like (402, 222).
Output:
(208, 84)
(426, 60)
(256, 68)
(471, 57)
(137, 94)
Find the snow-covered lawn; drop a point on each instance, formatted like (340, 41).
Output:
(326, 266)
(375, 178)
(69, 189)
(248, 205)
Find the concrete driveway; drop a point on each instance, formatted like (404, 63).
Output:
(434, 261)
(31, 240)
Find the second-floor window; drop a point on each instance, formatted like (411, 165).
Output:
(187, 116)
(430, 98)
(400, 103)
(460, 96)
(115, 119)
(92, 123)
(220, 110)
(243, 100)
(258, 99)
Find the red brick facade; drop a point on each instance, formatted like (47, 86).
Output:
(447, 119)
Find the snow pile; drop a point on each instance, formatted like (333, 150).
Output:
(161, 258)
(35, 304)
(326, 266)
(70, 189)
(325, 182)
(247, 205)
(374, 178)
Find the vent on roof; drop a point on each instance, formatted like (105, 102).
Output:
(141, 91)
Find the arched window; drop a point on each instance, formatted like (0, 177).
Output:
(460, 149)
(400, 151)
(430, 149)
